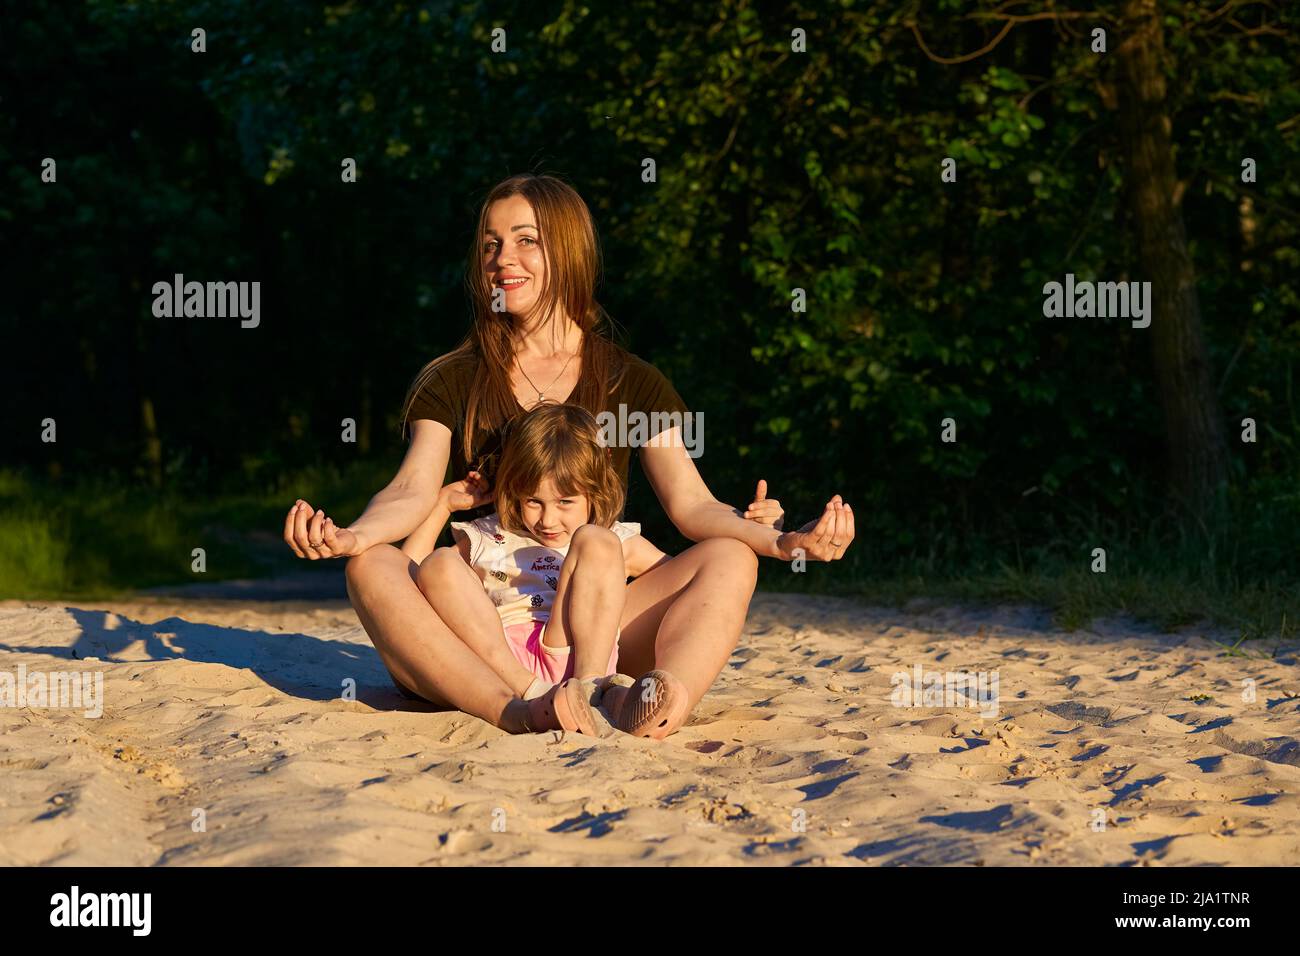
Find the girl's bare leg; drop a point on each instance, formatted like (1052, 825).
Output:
(420, 650)
(685, 616)
(589, 600)
(456, 595)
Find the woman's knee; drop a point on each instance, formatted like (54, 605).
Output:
(730, 556)
(374, 562)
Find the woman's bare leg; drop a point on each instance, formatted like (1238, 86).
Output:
(456, 595)
(420, 650)
(589, 600)
(686, 615)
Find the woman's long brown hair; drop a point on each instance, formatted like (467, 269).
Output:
(568, 239)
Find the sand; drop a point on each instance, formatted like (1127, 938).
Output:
(223, 740)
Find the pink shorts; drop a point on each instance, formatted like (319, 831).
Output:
(553, 664)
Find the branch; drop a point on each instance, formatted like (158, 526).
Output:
(1251, 98)
(1026, 17)
(1259, 31)
(1011, 19)
(1074, 142)
(1087, 220)
(1073, 74)
(969, 56)
(1190, 25)
(1232, 5)
(1229, 184)
(731, 138)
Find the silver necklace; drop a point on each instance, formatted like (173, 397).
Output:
(540, 395)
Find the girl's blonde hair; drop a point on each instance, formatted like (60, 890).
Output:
(562, 443)
(571, 249)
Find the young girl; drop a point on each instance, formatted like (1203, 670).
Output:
(549, 570)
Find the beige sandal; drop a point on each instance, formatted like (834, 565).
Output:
(656, 706)
(613, 689)
(566, 706)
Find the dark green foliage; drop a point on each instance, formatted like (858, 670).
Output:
(776, 170)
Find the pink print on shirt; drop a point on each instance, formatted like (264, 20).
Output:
(521, 576)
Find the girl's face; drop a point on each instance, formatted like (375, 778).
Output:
(512, 251)
(551, 517)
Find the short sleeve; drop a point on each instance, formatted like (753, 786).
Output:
(626, 529)
(472, 531)
(651, 398)
(442, 397)
(650, 391)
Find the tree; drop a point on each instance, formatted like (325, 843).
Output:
(1195, 451)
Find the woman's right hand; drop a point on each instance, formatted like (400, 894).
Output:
(312, 534)
(470, 492)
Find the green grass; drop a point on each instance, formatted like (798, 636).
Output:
(104, 538)
(1155, 580)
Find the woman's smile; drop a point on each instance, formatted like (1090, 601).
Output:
(512, 253)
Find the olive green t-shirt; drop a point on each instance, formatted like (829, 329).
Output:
(643, 389)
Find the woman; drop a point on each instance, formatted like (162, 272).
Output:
(537, 336)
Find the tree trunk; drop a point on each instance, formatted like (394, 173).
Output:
(152, 442)
(1195, 449)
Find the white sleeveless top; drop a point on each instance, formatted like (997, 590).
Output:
(521, 575)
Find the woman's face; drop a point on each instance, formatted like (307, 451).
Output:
(512, 251)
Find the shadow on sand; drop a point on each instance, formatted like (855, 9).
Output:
(297, 664)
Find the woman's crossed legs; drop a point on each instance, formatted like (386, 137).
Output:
(684, 616)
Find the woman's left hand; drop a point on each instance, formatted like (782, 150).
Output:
(824, 539)
(763, 509)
